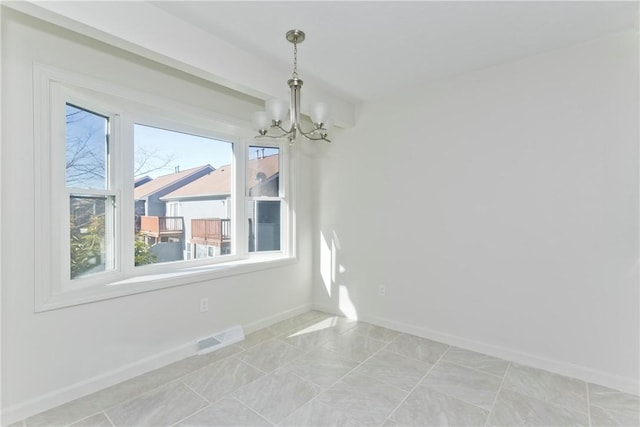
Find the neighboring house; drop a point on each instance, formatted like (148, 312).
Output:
(141, 180)
(147, 195)
(205, 206)
(165, 232)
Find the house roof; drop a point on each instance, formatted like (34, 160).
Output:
(261, 170)
(164, 181)
(218, 182)
(141, 180)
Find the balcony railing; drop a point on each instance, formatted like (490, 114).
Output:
(159, 226)
(211, 231)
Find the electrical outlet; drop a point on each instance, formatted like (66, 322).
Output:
(382, 290)
(204, 305)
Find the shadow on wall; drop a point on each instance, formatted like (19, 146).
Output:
(332, 272)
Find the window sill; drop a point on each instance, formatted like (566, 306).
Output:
(153, 282)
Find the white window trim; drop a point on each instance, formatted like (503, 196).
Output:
(52, 85)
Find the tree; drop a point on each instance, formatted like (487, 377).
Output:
(143, 255)
(86, 148)
(87, 145)
(86, 246)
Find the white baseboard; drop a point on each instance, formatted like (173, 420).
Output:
(91, 385)
(605, 379)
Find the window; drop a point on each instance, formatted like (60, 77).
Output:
(183, 201)
(91, 198)
(133, 197)
(263, 198)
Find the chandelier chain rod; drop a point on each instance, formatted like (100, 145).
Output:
(295, 60)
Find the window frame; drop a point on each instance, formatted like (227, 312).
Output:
(53, 89)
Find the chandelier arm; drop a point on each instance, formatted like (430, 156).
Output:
(271, 136)
(321, 137)
(312, 131)
(286, 132)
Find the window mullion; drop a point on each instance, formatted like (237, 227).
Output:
(124, 170)
(240, 202)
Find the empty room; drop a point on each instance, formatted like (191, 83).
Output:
(319, 213)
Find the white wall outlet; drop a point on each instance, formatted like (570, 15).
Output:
(204, 305)
(382, 290)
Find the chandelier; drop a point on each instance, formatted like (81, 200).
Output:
(269, 124)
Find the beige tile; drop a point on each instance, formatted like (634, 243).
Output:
(277, 395)
(317, 414)
(309, 338)
(466, 384)
(257, 337)
(426, 407)
(321, 366)
(417, 348)
(111, 396)
(549, 387)
(98, 420)
(363, 398)
(479, 361)
(227, 412)
(270, 355)
(162, 407)
(515, 409)
(221, 378)
(622, 409)
(395, 369)
(297, 322)
(603, 418)
(353, 346)
(376, 332)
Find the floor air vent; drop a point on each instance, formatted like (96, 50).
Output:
(220, 339)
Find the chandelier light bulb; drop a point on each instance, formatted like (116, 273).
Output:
(277, 109)
(260, 121)
(319, 112)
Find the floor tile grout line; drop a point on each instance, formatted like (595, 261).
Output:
(476, 369)
(262, 370)
(252, 410)
(196, 393)
(324, 389)
(146, 391)
(109, 419)
(495, 400)
(70, 423)
(551, 403)
(254, 367)
(191, 415)
(389, 417)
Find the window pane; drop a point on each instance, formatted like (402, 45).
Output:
(91, 235)
(264, 225)
(86, 148)
(263, 172)
(182, 196)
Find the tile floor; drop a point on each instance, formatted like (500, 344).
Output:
(320, 370)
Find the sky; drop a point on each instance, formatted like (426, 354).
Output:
(156, 151)
(185, 151)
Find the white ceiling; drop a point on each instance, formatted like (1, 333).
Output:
(366, 50)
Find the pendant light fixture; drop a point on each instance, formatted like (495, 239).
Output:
(269, 124)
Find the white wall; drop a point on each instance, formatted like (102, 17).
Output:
(50, 356)
(500, 210)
